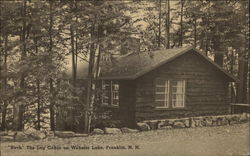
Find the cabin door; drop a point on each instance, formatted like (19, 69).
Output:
(127, 103)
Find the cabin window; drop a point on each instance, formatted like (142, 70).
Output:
(110, 93)
(162, 93)
(170, 93)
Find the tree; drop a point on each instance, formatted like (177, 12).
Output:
(5, 70)
(23, 36)
(52, 102)
(167, 25)
(181, 23)
(7, 29)
(159, 35)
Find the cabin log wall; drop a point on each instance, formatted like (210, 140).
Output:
(206, 89)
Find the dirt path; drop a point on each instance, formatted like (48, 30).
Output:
(207, 141)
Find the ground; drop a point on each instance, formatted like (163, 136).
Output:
(230, 140)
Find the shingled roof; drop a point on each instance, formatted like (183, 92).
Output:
(135, 65)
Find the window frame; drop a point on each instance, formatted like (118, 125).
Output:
(103, 93)
(109, 92)
(112, 95)
(170, 94)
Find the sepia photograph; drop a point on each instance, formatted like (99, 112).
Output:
(124, 77)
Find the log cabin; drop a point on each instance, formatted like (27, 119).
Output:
(172, 83)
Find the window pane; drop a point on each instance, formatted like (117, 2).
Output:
(179, 103)
(160, 89)
(160, 96)
(105, 95)
(178, 93)
(115, 87)
(173, 97)
(180, 83)
(177, 83)
(105, 85)
(174, 89)
(115, 95)
(177, 96)
(173, 103)
(115, 102)
(178, 90)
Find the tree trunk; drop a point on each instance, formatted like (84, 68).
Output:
(52, 101)
(73, 71)
(167, 25)
(246, 70)
(242, 75)
(207, 28)
(38, 106)
(20, 108)
(195, 32)
(51, 107)
(232, 87)
(73, 55)
(216, 42)
(76, 51)
(1, 52)
(89, 91)
(38, 89)
(4, 113)
(100, 34)
(159, 26)
(76, 41)
(5, 102)
(248, 61)
(181, 24)
(89, 102)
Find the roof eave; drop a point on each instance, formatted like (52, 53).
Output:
(117, 78)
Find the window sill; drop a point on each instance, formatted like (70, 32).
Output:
(165, 108)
